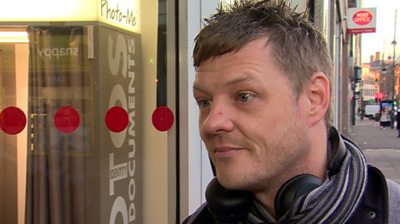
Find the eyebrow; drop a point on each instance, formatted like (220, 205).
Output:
(245, 78)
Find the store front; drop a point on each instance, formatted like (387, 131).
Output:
(85, 113)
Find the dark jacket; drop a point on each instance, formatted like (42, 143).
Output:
(398, 120)
(373, 208)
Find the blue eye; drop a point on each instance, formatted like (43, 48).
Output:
(245, 97)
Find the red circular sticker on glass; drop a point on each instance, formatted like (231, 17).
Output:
(163, 118)
(66, 119)
(12, 120)
(116, 119)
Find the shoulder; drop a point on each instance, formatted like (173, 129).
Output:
(381, 200)
(200, 216)
(373, 207)
(392, 190)
(394, 201)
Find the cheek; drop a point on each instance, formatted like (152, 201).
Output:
(271, 120)
(201, 123)
(271, 127)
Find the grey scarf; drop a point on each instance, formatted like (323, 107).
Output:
(333, 202)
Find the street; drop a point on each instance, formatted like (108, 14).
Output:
(381, 146)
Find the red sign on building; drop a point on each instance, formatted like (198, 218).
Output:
(361, 20)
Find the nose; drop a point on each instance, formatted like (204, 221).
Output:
(218, 120)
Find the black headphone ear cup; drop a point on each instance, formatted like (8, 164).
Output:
(338, 149)
(227, 205)
(293, 189)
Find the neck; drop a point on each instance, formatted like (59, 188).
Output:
(314, 162)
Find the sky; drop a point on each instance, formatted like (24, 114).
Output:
(381, 40)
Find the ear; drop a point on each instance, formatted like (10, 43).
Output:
(318, 96)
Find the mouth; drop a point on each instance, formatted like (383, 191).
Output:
(225, 152)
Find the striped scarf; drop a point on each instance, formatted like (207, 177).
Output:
(333, 202)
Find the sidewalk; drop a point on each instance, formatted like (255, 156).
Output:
(387, 160)
(381, 146)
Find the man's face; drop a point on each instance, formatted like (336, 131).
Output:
(251, 123)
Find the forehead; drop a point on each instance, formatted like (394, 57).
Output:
(252, 62)
(253, 53)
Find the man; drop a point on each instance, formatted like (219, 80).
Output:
(263, 90)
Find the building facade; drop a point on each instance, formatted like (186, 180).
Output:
(380, 80)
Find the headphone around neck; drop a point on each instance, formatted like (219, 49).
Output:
(226, 206)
